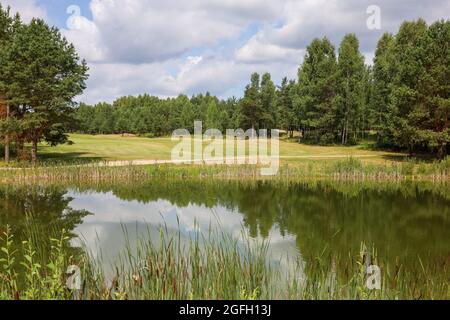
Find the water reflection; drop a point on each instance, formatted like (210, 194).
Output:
(400, 220)
(35, 210)
(49, 207)
(104, 231)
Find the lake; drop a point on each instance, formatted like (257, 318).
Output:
(406, 223)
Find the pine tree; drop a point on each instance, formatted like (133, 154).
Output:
(267, 97)
(41, 73)
(251, 106)
(287, 119)
(435, 87)
(420, 98)
(405, 108)
(187, 117)
(213, 119)
(316, 92)
(9, 125)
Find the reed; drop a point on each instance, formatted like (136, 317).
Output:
(207, 266)
(74, 172)
(346, 169)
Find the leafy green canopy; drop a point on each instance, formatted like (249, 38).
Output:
(40, 74)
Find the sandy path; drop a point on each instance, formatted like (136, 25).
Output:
(122, 163)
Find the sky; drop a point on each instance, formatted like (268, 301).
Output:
(171, 47)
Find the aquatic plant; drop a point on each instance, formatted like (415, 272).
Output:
(211, 266)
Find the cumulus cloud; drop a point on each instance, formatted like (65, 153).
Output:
(87, 38)
(148, 31)
(302, 21)
(192, 75)
(257, 50)
(28, 9)
(171, 47)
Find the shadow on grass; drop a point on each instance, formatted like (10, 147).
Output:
(419, 158)
(69, 158)
(400, 156)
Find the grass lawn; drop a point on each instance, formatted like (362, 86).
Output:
(110, 147)
(116, 147)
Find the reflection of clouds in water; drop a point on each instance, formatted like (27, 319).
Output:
(103, 231)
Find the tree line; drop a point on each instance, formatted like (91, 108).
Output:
(40, 74)
(149, 115)
(403, 98)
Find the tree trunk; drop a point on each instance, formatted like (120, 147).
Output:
(7, 137)
(343, 134)
(20, 149)
(441, 151)
(34, 150)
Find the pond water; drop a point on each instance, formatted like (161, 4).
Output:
(402, 221)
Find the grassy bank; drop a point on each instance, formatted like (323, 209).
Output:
(212, 266)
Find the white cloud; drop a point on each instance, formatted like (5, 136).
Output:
(191, 75)
(148, 31)
(28, 9)
(103, 231)
(109, 81)
(170, 47)
(256, 50)
(302, 21)
(87, 38)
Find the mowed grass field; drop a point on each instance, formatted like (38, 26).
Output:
(127, 148)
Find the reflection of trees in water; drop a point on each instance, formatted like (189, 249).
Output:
(398, 219)
(45, 208)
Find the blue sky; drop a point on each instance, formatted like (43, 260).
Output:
(171, 47)
(56, 10)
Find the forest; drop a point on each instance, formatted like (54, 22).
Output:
(402, 99)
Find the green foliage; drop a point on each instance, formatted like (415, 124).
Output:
(415, 77)
(8, 275)
(251, 107)
(146, 114)
(316, 92)
(40, 74)
(286, 114)
(268, 103)
(32, 271)
(382, 78)
(350, 90)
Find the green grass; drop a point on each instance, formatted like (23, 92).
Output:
(110, 147)
(116, 147)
